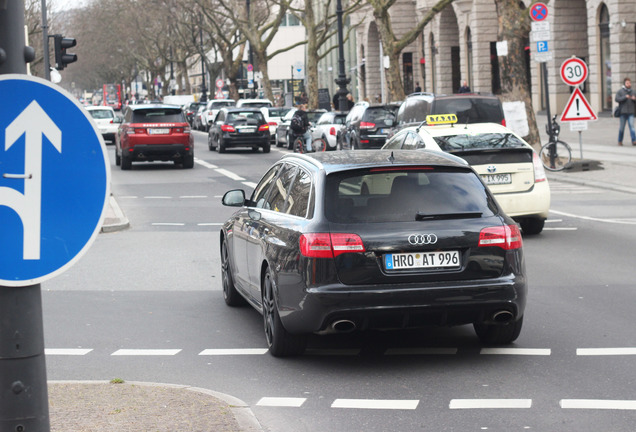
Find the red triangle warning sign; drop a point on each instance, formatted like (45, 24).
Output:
(578, 108)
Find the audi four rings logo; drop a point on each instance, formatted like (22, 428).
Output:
(422, 239)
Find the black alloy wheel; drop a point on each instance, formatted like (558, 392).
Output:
(230, 294)
(280, 342)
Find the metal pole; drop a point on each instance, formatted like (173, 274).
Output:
(250, 53)
(342, 79)
(581, 144)
(24, 402)
(45, 42)
(204, 90)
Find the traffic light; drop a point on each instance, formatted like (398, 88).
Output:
(61, 57)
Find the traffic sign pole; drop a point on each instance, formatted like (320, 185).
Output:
(24, 404)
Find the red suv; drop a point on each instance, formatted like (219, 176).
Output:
(154, 133)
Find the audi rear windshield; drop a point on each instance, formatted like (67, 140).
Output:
(391, 195)
(158, 115)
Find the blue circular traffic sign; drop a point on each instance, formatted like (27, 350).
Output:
(54, 180)
(539, 12)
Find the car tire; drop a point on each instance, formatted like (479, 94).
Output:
(117, 159)
(210, 146)
(220, 146)
(230, 294)
(188, 161)
(126, 163)
(281, 343)
(532, 226)
(290, 143)
(498, 334)
(266, 147)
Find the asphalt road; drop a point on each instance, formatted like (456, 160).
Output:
(145, 304)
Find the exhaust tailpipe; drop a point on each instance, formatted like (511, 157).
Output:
(502, 317)
(343, 326)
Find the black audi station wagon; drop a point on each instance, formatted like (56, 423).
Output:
(357, 240)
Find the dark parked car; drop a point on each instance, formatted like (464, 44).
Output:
(154, 132)
(422, 243)
(191, 110)
(239, 127)
(469, 108)
(367, 126)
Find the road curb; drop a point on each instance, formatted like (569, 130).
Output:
(115, 219)
(240, 410)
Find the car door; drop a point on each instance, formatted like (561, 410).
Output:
(266, 230)
(244, 225)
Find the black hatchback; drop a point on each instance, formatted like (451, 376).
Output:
(344, 241)
(239, 127)
(367, 126)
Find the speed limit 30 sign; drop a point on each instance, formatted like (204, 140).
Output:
(573, 71)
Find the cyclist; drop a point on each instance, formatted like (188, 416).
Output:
(300, 126)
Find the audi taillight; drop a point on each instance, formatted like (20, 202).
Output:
(506, 237)
(326, 245)
(539, 171)
(367, 125)
(263, 127)
(228, 128)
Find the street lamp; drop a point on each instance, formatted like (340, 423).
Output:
(342, 79)
(204, 90)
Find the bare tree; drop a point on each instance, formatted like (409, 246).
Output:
(321, 30)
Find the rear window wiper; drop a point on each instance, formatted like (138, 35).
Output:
(459, 215)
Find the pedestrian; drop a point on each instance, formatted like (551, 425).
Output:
(418, 89)
(303, 128)
(626, 108)
(350, 101)
(464, 87)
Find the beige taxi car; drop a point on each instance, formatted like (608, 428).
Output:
(506, 163)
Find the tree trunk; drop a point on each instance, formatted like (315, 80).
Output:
(261, 60)
(514, 25)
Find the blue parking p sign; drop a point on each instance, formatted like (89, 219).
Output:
(54, 180)
(542, 46)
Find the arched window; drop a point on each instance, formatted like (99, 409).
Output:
(606, 63)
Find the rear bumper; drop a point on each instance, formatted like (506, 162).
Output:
(533, 203)
(374, 141)
(238, 141)
(161, 152)
(402, 306)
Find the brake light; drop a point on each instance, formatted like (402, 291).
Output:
(539, 172)
(367, 125)
(228, 128)
(503, 122)
(332, 131)
(325, 245)
(506, 237)
(273, 124)
(263, 127)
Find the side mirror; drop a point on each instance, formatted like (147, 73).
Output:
(234, 198)
(118, 119)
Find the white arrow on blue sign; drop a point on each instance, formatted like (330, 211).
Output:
(54, 180)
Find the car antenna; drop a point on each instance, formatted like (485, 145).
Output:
(391, 158)
(420, 125)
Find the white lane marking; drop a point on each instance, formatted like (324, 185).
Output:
(67, 351)
(489, 403)
(157, 197)
(236, 351)
(605, 351)
(128, 197)
(250, 184)
(210, 224)
(395, 404)
(561, 229)
(281, 402)
(168, 224)
(598, 404)
(192, 196)
(553, 220)
(516, 351)
(229, 174)
(613, 221)
(146, 352)
(421, 351)
(205, 164)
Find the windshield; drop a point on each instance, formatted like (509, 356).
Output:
(470, 110)
(481, 141)
(158, 115)
(399, 196)
(101, 114)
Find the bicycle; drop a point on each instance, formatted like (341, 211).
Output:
(556, 155)
(317, 144)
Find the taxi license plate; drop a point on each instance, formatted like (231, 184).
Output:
(421, 260)
(159, 131)
(497, 179)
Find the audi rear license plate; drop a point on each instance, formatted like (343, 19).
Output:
(497, 179)
(159, 131)
(421, 260)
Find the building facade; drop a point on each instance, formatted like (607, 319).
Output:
(460, 43)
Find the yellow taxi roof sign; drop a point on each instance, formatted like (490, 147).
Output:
(441, 119)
